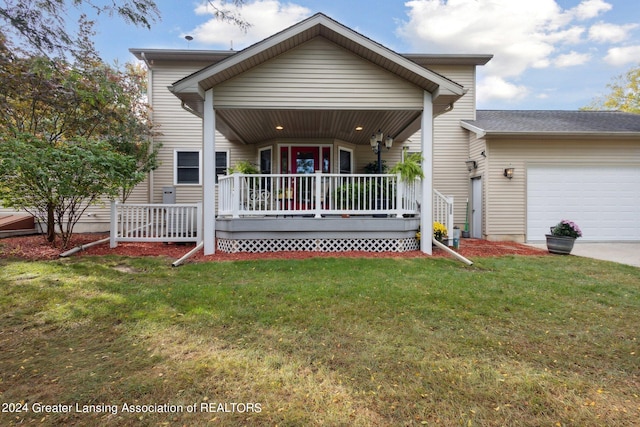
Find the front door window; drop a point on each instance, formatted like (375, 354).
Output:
(304, 160)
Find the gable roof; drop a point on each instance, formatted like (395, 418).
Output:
(317, 25)
(553, 122)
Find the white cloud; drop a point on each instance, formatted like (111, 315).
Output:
(590, 9)
(618, 56)
(493, 87)
(520, 34)
(603, 32)
(267, 17)
(571, 59)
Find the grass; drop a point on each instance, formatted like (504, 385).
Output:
(535, 341)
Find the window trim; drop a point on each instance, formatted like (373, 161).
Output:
(175, 166)
(351, 159)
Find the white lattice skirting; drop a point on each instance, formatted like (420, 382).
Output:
(318, 245)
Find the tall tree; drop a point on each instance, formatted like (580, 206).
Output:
(624, 94)
(69, 134)
(44, 24)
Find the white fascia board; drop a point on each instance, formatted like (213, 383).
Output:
(479, 132)
(243, 55)
(446, 86)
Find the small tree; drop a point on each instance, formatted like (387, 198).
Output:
(56, 183)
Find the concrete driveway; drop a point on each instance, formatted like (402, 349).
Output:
(623, 253)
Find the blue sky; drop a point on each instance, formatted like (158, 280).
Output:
(548, 54)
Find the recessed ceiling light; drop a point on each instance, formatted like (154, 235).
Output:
(359, 128)
(279, 127)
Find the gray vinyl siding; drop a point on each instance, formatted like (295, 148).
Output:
(506, 205)
(301, 78)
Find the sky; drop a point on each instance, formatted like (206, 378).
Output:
(547, 54)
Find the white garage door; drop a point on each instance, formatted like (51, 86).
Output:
(603, 200)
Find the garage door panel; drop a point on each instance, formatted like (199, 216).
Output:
(603, 201)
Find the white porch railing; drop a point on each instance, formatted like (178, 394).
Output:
(155, 223)
(443, 212)
(240, 195)
(316, 195)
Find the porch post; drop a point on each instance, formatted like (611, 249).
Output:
(426, 210)
(400, 190)
(209, 175)
(113, 231)
(317, 180)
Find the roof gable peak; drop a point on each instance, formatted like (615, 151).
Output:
(318, 25)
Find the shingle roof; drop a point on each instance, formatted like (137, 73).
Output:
(555, 122)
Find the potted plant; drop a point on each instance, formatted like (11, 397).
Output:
(409, 170)
(439, 231)
(563, 236)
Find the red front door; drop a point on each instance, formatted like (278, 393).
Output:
(305, 160)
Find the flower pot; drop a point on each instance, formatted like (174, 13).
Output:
(560, 244)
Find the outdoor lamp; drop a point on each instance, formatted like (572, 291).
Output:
(377, 139)
(374, 143)
(471, 165)
(508, 172)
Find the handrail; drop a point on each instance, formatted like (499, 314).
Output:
(443, 212)
(316, 195)
(147, 222)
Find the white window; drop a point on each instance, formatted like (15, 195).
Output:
(188, 166)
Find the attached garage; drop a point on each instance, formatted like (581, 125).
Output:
(582, 166)
(603, 200)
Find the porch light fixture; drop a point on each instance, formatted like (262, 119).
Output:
(359, 128)
(376, 141)
(508, 172)
(279, 127)
(471, 165)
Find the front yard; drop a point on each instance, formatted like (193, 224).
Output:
(512, 340)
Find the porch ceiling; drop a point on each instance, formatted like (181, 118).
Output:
(254, 126)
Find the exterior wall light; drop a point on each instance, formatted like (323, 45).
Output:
(508, 172)
(471, 165)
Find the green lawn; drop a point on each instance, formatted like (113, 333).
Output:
(538, 341)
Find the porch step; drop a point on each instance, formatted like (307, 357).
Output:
(16, 224)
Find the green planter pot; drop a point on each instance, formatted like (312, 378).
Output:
(560, 244)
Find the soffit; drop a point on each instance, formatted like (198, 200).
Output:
(253, 126)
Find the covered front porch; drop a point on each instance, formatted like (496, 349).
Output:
(288, 212)
(317, 91)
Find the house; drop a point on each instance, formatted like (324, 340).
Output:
(312, 94)
(307, 106)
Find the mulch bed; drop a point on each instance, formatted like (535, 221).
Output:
(35, 248)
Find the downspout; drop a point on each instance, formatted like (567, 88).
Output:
(451, 252)
(151, 182)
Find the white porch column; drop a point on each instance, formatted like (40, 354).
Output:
(209, 174)
(426, 210)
